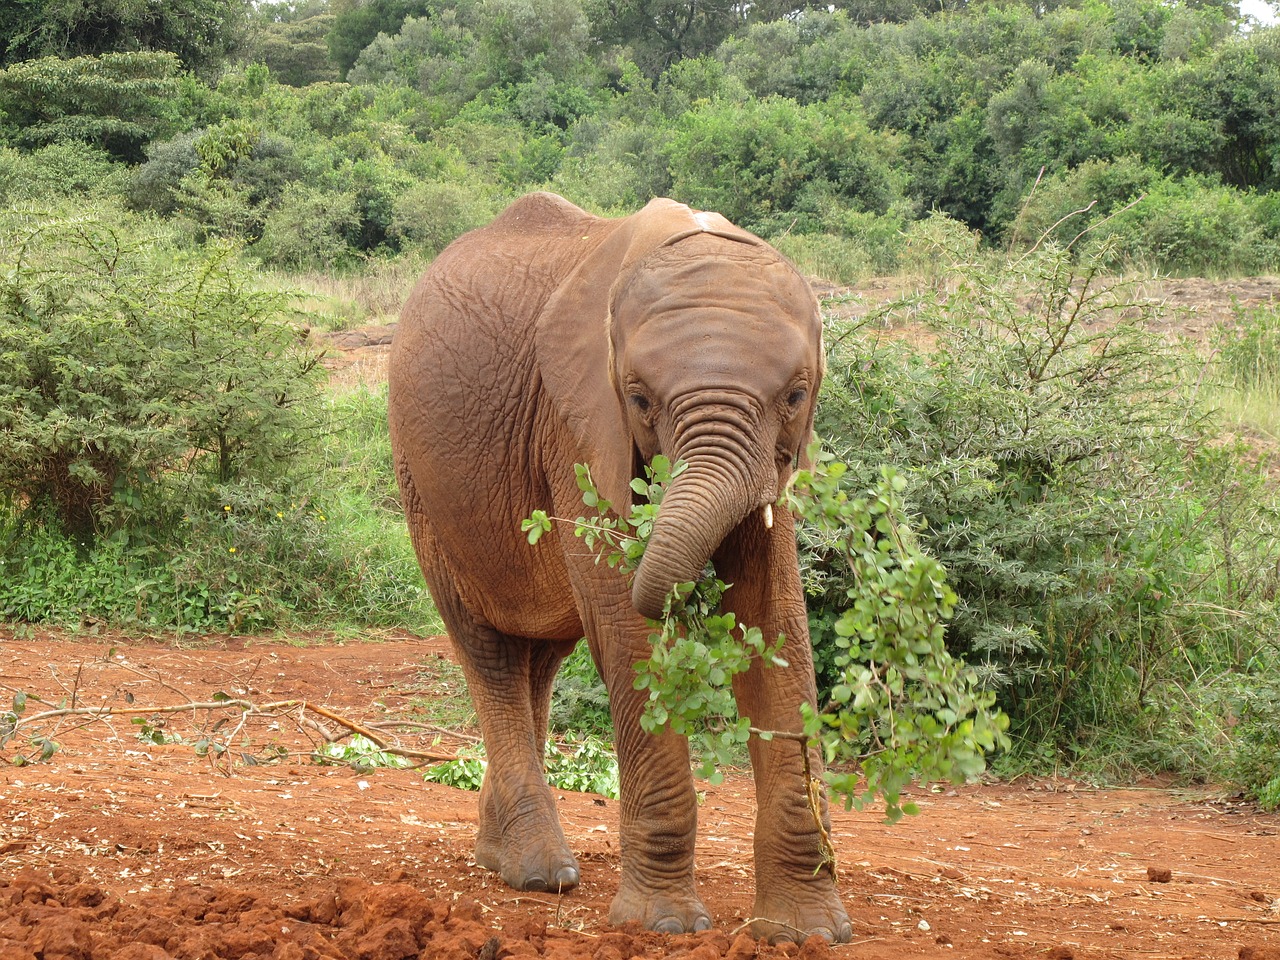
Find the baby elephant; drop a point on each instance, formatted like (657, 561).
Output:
(552, 337)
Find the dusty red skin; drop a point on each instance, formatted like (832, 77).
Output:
(123, 851)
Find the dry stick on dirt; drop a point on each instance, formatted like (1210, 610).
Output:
(247, 708)
(429, 728)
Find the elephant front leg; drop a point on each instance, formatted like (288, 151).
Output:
(658, 804)
(796, 894)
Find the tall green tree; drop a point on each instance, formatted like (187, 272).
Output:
(116, 102)
(358, 22)
(291, 40)
(661, 32)
(202, 33)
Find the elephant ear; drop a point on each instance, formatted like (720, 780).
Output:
(572, 338)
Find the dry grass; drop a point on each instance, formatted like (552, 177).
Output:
(341, 302)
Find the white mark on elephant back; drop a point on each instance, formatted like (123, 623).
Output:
(709, 222)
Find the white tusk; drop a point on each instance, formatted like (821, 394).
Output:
(768, 516)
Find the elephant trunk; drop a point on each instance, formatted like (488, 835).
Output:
(725, 480)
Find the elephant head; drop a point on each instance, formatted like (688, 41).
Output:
(683, 335)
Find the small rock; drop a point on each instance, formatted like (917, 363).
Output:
(1159, 874)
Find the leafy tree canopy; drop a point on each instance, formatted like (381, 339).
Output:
(115, 101)
(202, 33)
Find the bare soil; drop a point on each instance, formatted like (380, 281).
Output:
(115, 848)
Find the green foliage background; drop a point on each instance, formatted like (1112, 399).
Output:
(323, 132)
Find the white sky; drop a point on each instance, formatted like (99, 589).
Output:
(1259, 10)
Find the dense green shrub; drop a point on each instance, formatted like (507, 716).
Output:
(312, 227)
(1062, 205)
(155, 184)
(124, 358)
(1254, 760)
(323, 546)
(802, 58)
(429, 216)
(867, 245)
(772, 164)
(1088, 528)
(1194, 226)
(1187, 225)
(60, 170)
(435, 55)
(615, 166)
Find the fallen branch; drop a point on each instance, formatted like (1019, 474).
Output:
(247, 708)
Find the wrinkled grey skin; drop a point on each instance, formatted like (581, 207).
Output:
(552, 337)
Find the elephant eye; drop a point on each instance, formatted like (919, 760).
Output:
(797, 397)
(640, 402)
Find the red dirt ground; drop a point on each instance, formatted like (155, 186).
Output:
(120, 850)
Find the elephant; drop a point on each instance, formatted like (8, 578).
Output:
(553, 337)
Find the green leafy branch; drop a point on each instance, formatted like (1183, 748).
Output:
(696, 649)
(904, 708)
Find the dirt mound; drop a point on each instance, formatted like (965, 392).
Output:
(59, 917)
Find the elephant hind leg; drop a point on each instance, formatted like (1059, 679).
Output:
(510, 681)
(519, 832)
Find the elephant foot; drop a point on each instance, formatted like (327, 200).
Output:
(542, 864)
(795, 910)
(663, 912)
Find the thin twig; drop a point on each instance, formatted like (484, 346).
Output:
(813, 794)
(247, 708)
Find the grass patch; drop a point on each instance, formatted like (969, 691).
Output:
(342, 301)
(1247, 387)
